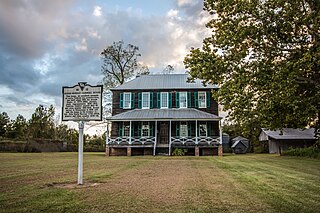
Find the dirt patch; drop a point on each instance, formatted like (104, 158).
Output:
(73, 185)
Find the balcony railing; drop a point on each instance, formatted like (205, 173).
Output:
(134, 140)
(213, 140)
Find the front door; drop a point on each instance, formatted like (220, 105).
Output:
(164, 133)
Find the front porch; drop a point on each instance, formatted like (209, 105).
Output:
(193, 130)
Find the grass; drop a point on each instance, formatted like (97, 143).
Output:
(233, 183)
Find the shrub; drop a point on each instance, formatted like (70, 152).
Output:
(178, 152)
(311, 152)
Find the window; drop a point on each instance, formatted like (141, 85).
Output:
(127, 100)
(183, 99)
(126, 129)
(164, 100)
(145, 100)
(145, 129)
(183, 129)
(203, 130)
(202, 100)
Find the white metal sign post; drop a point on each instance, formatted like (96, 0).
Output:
(81, 103)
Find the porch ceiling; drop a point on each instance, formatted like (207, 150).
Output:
(164, 114)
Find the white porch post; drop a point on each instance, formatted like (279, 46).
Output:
(196, 131)
(130, 132)
(107, 134)
(155, 139)
(169, 137)
(220, 132)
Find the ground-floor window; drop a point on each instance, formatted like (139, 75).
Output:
(145, 129)
(203, 130)
(126, 129)
(183, 129)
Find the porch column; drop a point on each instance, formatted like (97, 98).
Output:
(107, 141)
(220, 150)
(130, 132)
(155, 139)
(196, 131)
(169, 137)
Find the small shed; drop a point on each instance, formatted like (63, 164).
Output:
(281, 140)
(240, 145)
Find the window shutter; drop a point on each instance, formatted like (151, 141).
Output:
(209, 128)
(151, 132)
(139, 100)
(158, 100)
(132, 129)
(132, 100)
(170, 100)
(151, 100)
(208, 97)
(121, 100)
(139, 129)
(189, 128)
(177, 100)
(120, 130)
(196, 104)
(189, 99)
(177, 129)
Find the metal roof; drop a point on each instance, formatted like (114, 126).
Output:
(238, 142)
(291, 134)
(164, 114)
(164, 81)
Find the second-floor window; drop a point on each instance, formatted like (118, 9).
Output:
(183, 99)
(164, 100)
(202, 101)
(127, 100)
(145, 100)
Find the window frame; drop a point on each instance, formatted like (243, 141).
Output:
(142, 100)
(161, 100)
(206, 130)
(124, 100)
(205, 99)
(145, 123)
(185, 124)
(126, 124)
(186, 102)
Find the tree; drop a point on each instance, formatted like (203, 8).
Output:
(4, 121)
(17, 128)
(119, 63)
(41, 124)
(168, 70)
(265, 57)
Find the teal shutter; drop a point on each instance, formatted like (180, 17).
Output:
(208, 99)
(170, 100)
(151, 130)
(139, 129)
(209, 128)
(189, 129)
(120, 129)
(121, 100)
(196, 103)
(189, 99)
(132, 129)
(151, 100)
(177, 129)
(177, 100)
(132, 100)
(139, 100)
(158, 100)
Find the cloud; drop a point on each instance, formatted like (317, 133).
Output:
(97, 11)
(45, 45)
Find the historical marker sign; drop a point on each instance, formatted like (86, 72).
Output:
(82, 102)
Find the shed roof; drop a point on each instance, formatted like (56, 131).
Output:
(164, 81)
(291, 134)
(240, 138)
(238, 142)
(164, 114)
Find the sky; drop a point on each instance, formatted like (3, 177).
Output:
(47, 44)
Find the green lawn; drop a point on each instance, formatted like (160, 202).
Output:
(233, 183)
